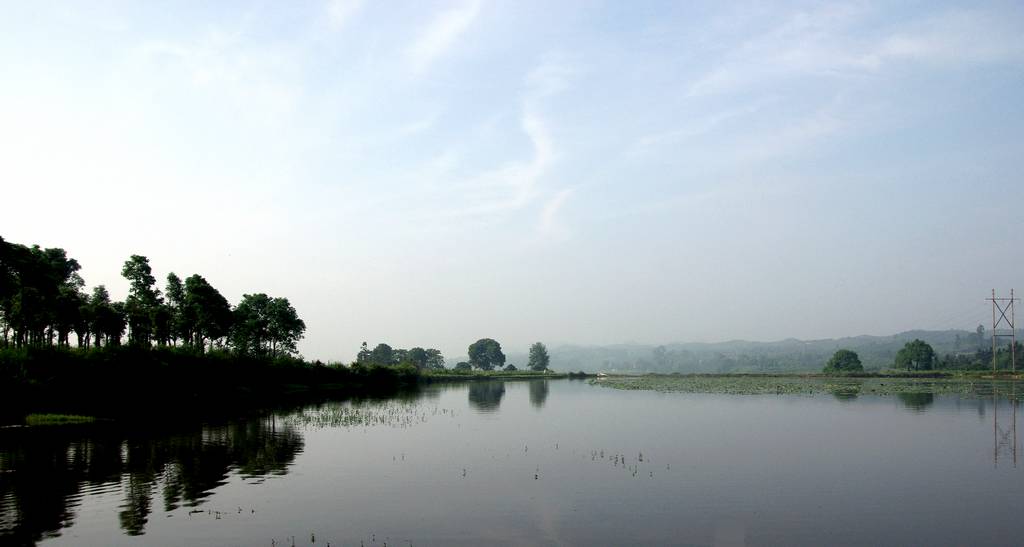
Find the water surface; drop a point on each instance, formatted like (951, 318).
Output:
(532, 463)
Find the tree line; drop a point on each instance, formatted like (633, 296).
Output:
(484, 354)
(43, 301)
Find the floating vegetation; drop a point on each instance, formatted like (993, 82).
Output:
(385, 413)
(57, 419)
(842, 388)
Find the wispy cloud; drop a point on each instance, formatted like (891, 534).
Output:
(550, 77)
(439, 36)
(954, 38)
(549, 225)
(259, 85)
(340, 12)
(652, 142)
(514, 185)
(831, 41)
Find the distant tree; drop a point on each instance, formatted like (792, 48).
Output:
(844, 360)
(539, 359)
(916, 355)
(382, 354)
(363, 357)
(486, 354)
(510, 368)
(434, 359)
(418, 357)
(463, 366)
(265, 326)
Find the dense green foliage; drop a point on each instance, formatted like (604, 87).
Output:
(844, 360)
(486, 354)
(121, 381)
(43, 300)
(539, 358)
(916, 355)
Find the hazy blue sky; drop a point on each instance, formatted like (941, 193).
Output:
(432, 173)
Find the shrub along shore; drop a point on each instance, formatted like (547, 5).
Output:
(126, 382)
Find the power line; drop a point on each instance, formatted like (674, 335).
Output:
(1004, 306)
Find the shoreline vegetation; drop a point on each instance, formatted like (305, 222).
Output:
(126, 383)
(182, 350)
(68, 355)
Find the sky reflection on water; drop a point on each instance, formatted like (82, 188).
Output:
(542, 462)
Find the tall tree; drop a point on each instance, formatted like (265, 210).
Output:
(99, 309)
(143, 299)
(486, 354)
(175, 293)
(206, 314)
(539, 358)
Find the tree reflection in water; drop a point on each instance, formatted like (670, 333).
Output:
(486, 396)
(44, 473)
(918, 402)
(538, 393)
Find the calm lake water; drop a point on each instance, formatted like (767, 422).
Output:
(532, 463)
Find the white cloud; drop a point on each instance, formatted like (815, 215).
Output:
(340, 12)
(441, 34)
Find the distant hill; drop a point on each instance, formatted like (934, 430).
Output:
(742, 356)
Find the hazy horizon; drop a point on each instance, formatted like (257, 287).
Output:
(574, 173)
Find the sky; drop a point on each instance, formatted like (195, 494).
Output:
(431, 173)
